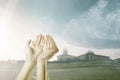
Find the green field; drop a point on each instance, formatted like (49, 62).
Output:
(83, 72)
(67, 71)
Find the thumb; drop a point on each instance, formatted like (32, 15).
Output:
(28, 43)
(28, 48)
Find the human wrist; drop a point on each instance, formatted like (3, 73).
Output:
(41, 61)
(30, 60)
(41, 69)
(26, 69)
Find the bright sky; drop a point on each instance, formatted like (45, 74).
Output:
(77, 25)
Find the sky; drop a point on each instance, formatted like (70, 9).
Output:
(77, 25)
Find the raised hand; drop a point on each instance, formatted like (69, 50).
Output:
(40, 50)
(34, 48)
(50, 48)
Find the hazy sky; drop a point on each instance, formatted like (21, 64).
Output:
(78, 25)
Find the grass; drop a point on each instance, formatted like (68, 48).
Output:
(74, 71)
(90, 73)
(68, 71)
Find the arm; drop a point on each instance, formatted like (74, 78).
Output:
(41, 70)
(42, 73)
(26, 71)
(32, 51)
(48, 52)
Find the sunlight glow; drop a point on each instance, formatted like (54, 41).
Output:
(4, 32)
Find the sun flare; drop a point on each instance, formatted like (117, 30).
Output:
(4, 31)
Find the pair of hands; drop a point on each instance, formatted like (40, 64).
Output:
(38, 51)
(42, 49)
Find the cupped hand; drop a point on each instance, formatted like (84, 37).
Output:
(50, 48)
(34, 48)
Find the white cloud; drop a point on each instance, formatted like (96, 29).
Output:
(95, 29)
(91, 24)
(94, 24)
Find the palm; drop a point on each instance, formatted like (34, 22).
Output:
(50, 49)
(34, 48)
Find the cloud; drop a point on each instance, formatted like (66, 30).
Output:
(91, 30)
(95, 28)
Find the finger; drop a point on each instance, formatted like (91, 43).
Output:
(28, 47)
(38, 39)
(42, 43)
(53, 44)
(33, 43)
(48, 43)
(29, 41)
